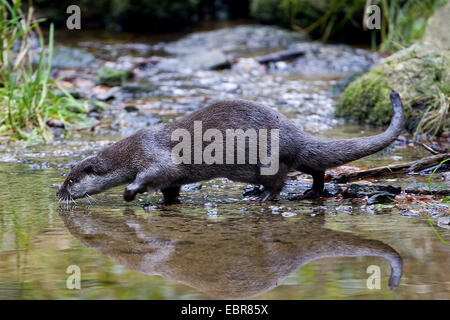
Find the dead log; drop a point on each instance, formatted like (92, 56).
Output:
(281, 56)
(408, 167)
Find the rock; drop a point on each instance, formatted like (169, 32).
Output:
(330, 60)
(446, 176)
(191, 187)
(444, 222)
(136, 88)
(332, 189)
(438, 26)
(41, 166)
(208, 60)
(381, 197)
(445, 134)
(71, 58)
(96, 106)
(130, 122)
(437, 210)
(443, 167)
(240, 39)
(419, 69)
(54, 123)
(346, 209)
(131, 108)
(249, 65)
(431, 189)
(411, 213)
(106, 95)
(355, 190)
(112, 77)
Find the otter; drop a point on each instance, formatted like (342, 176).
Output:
(144, 160)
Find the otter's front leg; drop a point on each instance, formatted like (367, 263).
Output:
(132, 190)
(171, 194)
(145, 181)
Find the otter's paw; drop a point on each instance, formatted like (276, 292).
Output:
(267, 196)
(312, 194)
(169, 201)
(129, 194)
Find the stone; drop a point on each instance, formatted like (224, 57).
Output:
(355, 190)
(112, 77)
(207, 60)
(71, 58)
(444, 222)
(438, 27)
(381, 197)
(418, 73)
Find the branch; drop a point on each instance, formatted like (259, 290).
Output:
(392, 169)
(281, 56)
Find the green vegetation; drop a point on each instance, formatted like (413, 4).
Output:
(434, 171)
(420, 74)
(28, 95)
(403, 21)
(130, 15)
(112, 77)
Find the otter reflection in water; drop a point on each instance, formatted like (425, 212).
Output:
(238, 257)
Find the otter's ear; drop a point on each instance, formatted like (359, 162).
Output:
(89, 169)
(96, 168)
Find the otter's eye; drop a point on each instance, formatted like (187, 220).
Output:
(71, 182)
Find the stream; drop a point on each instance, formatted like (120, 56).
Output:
(216, 244)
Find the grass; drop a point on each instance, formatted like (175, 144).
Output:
(28, 95)
(435, 117)
(406, 21)
(402, 21)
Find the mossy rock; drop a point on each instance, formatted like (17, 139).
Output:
(419, 73)
(112, 77)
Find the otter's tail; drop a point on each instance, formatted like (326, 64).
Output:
(323, 154)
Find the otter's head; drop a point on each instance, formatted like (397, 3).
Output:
(88, 177)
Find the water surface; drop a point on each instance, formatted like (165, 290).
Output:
(213, 245)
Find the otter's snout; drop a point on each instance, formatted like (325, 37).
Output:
(62, 193)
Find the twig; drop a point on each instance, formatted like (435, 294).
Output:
(431, 149)
(281, 56)
(392, 169)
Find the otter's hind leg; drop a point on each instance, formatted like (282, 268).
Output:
(273, 184)
(171, 194)
(317, 189)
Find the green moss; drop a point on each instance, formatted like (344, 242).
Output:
(419, 73)
(366, 100)
(112, 77)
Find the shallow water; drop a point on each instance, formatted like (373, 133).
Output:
(214, 245)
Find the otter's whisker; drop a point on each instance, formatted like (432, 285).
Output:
(73, 200)
(91, 197)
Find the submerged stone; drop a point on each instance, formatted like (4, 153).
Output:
(444, 222)
(112, 77)
(381, 197)
(71, 58)
(361, 190)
